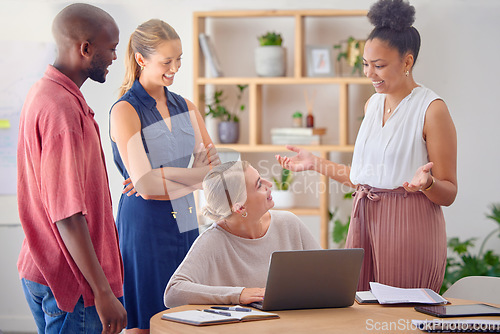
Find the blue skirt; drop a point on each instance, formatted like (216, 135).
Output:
(152, 248)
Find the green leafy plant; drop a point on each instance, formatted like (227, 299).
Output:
(343, 54)
(284, 181)
(270, 38)
(217, 109)
(340, 228)
(463, 263)
(297, 114)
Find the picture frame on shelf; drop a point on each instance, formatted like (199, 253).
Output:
(319, 61)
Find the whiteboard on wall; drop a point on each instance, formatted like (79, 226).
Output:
(22, 63)
(8, 211)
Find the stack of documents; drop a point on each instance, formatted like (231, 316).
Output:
(385, 294)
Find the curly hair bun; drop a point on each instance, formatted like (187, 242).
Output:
(393, 14)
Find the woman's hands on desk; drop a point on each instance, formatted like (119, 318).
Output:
(251, 295)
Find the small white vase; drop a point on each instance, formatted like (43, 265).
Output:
(283, 199)
(270, 61)
(212, 126)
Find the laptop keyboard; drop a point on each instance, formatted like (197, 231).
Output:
(257, 305)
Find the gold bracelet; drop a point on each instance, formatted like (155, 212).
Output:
(432, 183)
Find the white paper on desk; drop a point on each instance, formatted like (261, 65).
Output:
(386, 294)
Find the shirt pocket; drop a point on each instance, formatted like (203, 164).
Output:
(185, 144)
(157, 144)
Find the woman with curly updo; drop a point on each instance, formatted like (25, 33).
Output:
(404, 161)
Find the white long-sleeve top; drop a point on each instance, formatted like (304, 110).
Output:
(220, 265)
(387, 156)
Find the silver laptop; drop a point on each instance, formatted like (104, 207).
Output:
(312, 279)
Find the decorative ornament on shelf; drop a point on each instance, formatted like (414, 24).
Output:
(229, 130)
(309, 104)
(270, 56)
(353, 54)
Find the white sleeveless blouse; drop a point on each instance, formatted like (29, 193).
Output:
(387, 156)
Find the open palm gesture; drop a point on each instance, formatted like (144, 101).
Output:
(304, 160)
(420, 179)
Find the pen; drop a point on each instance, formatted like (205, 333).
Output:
(218, 312)
(239, 309)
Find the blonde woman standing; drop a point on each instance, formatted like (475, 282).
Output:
(159, 140)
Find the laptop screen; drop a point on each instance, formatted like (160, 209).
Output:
(312, 279)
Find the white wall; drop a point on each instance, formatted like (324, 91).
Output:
(457, 60)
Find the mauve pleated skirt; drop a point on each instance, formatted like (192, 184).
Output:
(403, 235)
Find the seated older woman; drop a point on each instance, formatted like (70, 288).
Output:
(229, 262)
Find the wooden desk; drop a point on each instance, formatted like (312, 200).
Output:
(355, 319)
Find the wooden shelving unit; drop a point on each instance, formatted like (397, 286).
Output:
(299, 77)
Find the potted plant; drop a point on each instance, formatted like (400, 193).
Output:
(297, 119)
(270, 56)
(353, 55)
(340, 226)
(464, 263)
(228, 128)
(282, 195)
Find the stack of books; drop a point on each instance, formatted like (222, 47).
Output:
(297, 136)
(208, 50)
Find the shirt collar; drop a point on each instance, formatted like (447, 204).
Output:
(58, 77)
(145, 98)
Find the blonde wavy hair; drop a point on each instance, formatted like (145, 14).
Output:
(145, 39)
